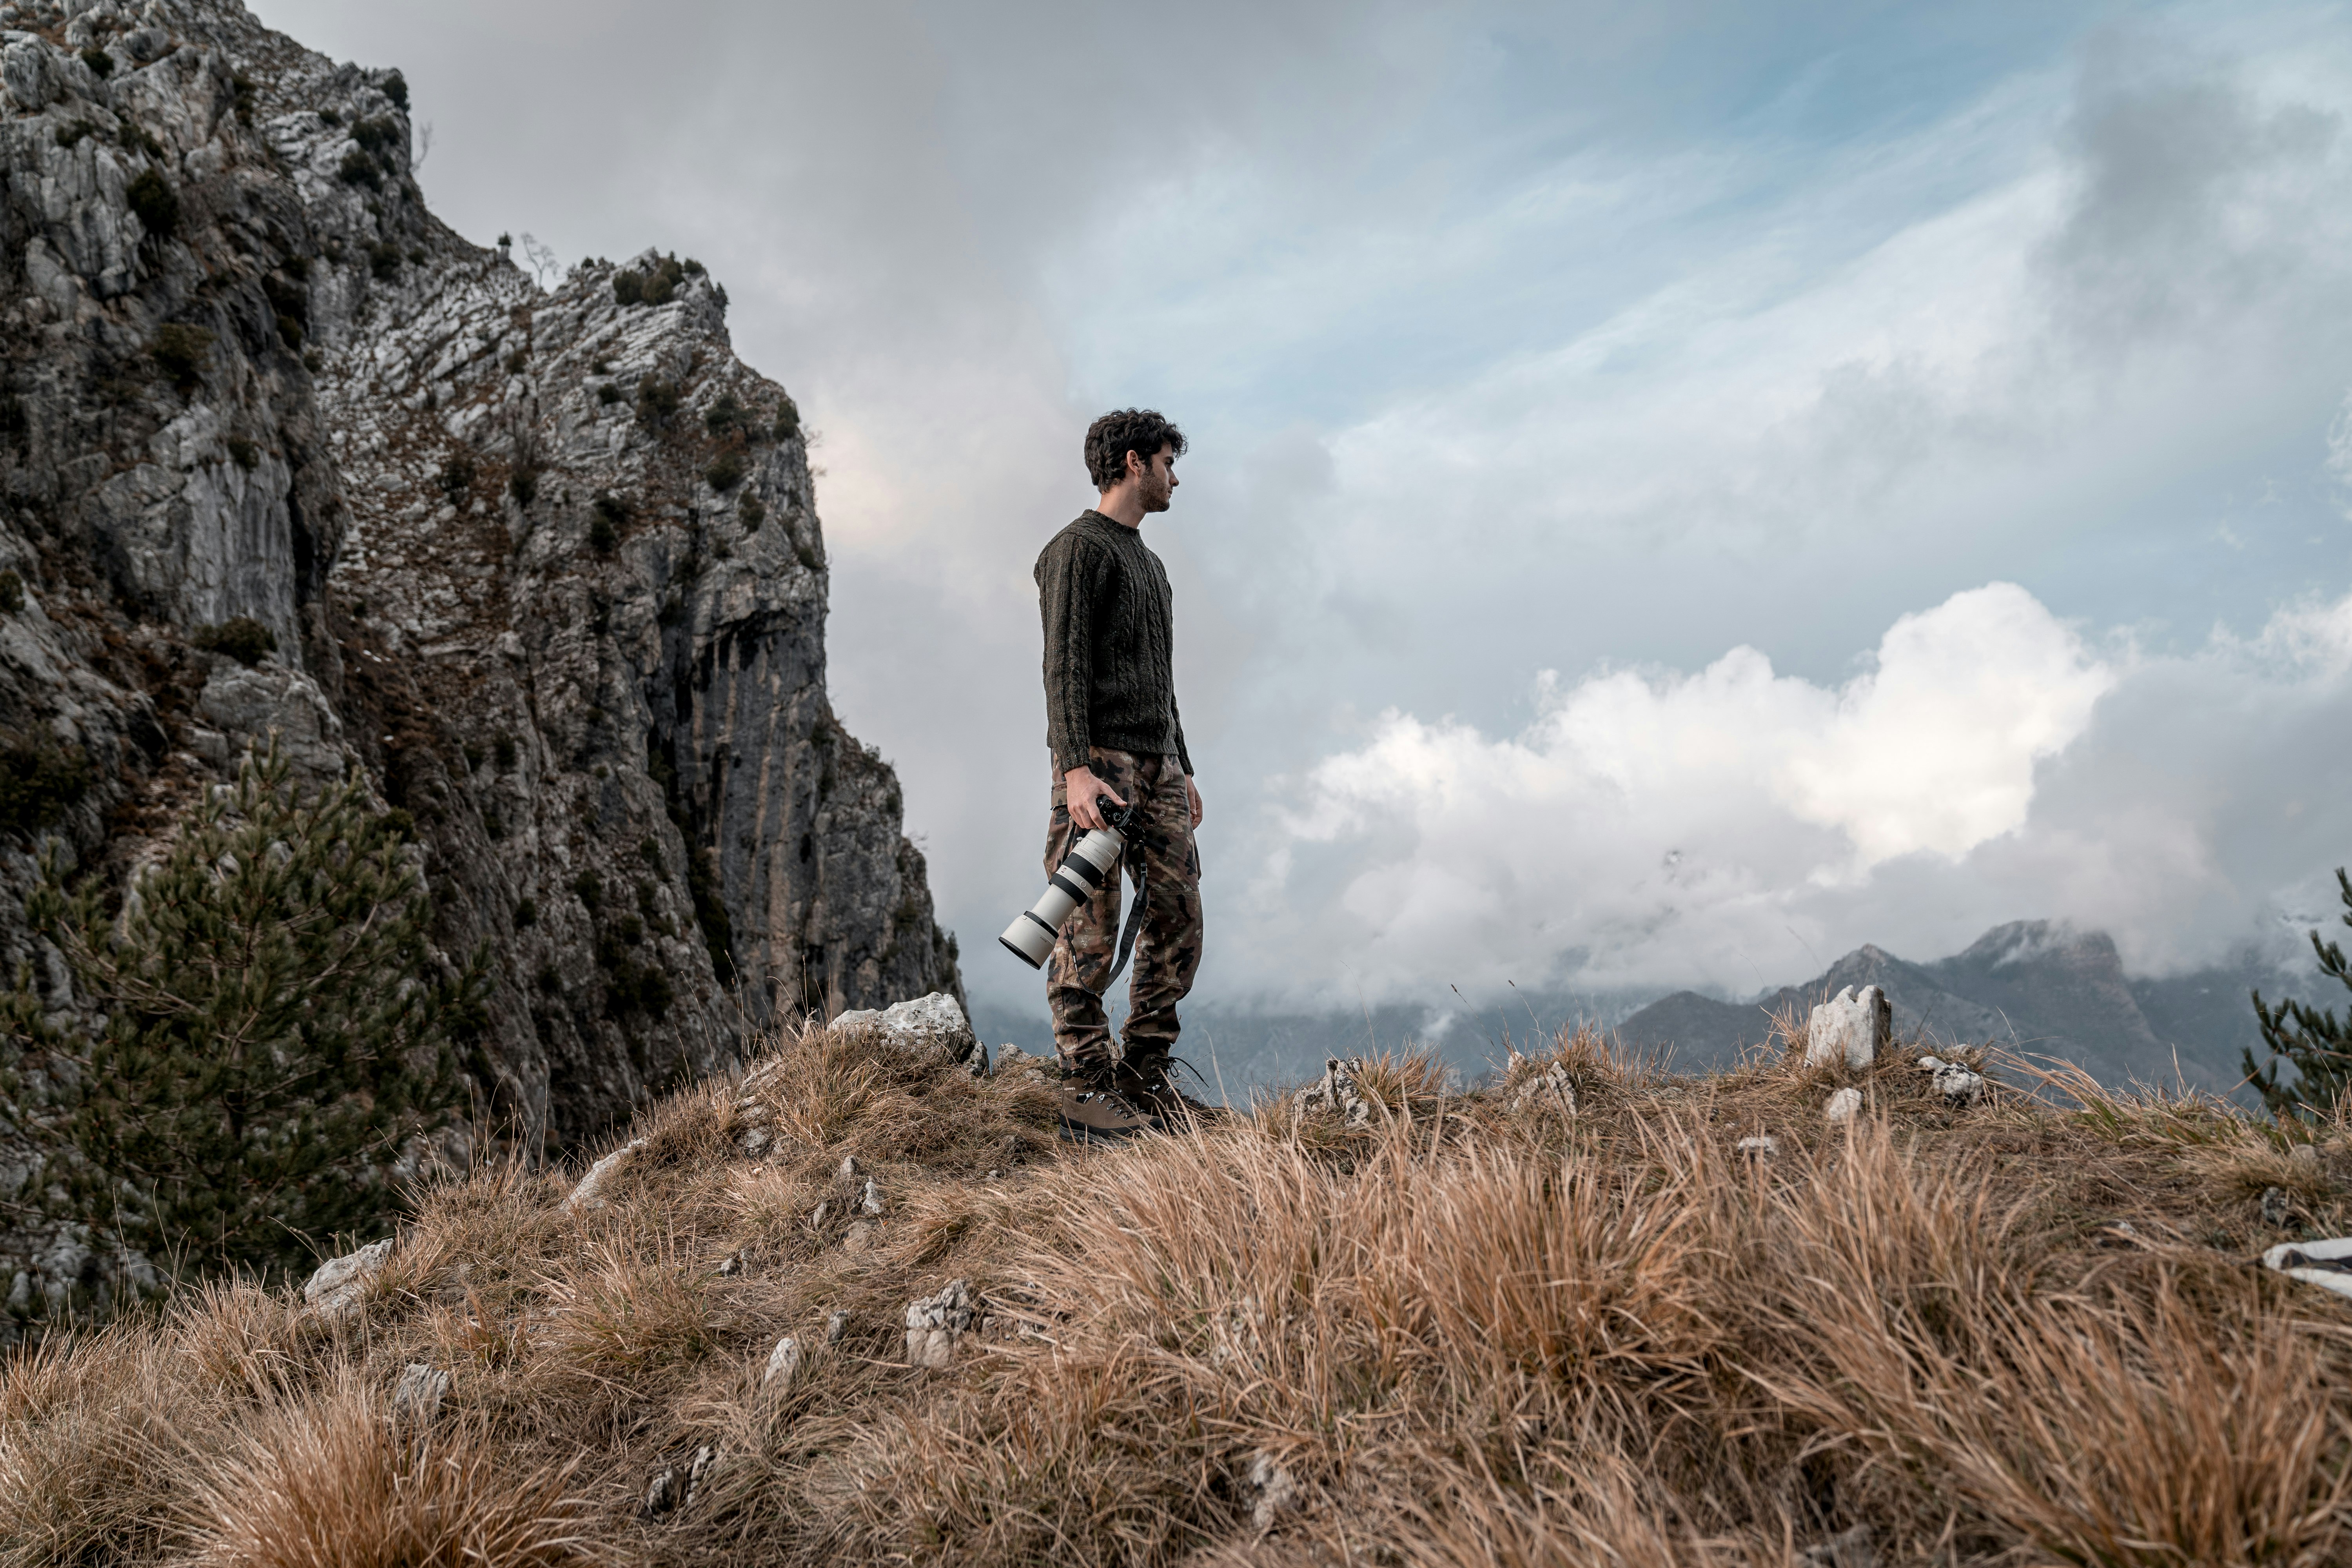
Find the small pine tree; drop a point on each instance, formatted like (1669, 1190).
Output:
(273, 1029)
(2311, 1040)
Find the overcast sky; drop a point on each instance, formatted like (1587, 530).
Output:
(1676, 491)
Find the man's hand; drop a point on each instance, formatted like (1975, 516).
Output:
(1080, 787)
(1193, 798)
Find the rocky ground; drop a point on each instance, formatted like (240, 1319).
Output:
(280, 452)
(858, 1306)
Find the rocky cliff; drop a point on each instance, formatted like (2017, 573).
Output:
(280, 452)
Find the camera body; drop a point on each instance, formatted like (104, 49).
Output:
(1082, 874)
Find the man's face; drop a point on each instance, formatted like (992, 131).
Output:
(1158, 477)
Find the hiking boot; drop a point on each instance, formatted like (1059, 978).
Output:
(1095, 1112)
(1149, 1083)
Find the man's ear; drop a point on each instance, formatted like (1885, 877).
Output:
(1136, 465)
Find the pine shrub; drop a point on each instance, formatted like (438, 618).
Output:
(241, 638)
(273, 1033)
(725, 472)
(41, 778)
(154, 204)
(2311, 1040)
(180, 353)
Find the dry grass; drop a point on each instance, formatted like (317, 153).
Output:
(1480, 1329)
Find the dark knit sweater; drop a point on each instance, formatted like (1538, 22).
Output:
(1110, 643)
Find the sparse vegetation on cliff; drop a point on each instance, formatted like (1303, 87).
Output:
(266, 1031)
(1561, 1319)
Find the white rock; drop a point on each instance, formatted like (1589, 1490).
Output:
(340, 1285)
(859, 1236)
(850, 1168)
(837, 1324)
(1844, 1106)
(784, 1364)
(1758, 1146)
(2305, 1153)
(588, 1193)
(416, 1397)
(756, 1140)
(870, 1202)
(934, 1020)
(1847, 1549)
(935, 1323)
(1852, 1027)
(1956, 1083)
(1338, 1092)
(1276, 1491)
(1547, 1091)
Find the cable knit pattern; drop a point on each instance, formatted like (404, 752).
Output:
(1110, 644)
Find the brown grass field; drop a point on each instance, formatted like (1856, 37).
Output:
(1469, 1332)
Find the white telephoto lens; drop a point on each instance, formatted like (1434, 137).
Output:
(1031, 936)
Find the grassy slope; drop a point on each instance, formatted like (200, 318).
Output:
(1469, 1332)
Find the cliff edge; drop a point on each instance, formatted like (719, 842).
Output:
(281, 452)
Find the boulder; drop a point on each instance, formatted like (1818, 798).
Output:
(936, 1020)
(1844, 1106)
(340, 1285)
(1337, 1092)
(1958, 1085)
(1853, 1027)
(416, 1397)
(588, 1194)
(1273, 1490)
(2327, 1264)
(935, 1323)
(784, 1365)
(1547, 1091)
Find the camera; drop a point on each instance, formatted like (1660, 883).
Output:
(1095, 859)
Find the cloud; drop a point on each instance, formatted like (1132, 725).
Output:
(1650, 826)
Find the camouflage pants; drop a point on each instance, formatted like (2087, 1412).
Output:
(1168, 942)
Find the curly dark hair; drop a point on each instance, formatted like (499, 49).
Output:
(1142, 431)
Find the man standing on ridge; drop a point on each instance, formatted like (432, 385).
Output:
(1111, 722)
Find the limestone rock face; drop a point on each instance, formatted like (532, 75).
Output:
(538, 554)
(1853, 1027)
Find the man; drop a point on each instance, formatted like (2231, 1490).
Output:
(1112, 724)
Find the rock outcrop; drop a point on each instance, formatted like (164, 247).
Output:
(280, 452)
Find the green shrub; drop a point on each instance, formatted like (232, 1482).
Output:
(313, 361)
(241, 638)
(607, 392)
(180, 351)
(276, 1033)
(628, 287)
(523, 483)
(243, 453)
(602, 535)
(154, 204)
(395, 88)
(241, 92)
(691, 268)
(358, 169)
(375, 134)
(289, 332)
(518, 361)
(133, 137)
(329, 117)
(416, 255)
(504, 754)
(383, 260)
(672, 612)
(807, 553)
(41, 779)
(657, 399)
(101, 63)
(526, 914)
(72, 135)
(590, 889)
(12, 591)
(725, 472)
(753, 510)
(494, 827)
(658, 289)
(455, 478)
(788, 419)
